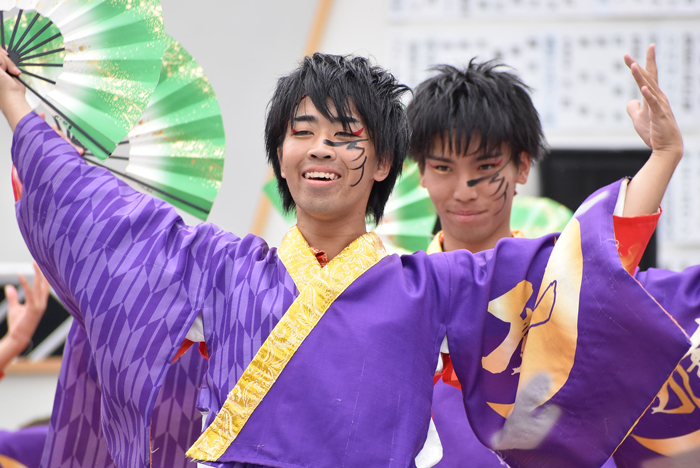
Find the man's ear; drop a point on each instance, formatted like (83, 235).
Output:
(524, 167)
(382, 171)
(422, 177)
(279, 159)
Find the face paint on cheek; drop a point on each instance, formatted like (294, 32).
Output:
(501, 190)
(352, 145)
(361, 166)
(503, 196)
(359, 132)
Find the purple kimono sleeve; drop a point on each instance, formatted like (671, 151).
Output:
(572, 357)
(126, 267)
(669, 432)
(75, 437)
(24, 445)
(677, 292)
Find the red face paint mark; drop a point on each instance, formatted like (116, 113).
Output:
(359, 132)
(294, 131)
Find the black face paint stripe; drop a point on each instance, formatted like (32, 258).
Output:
(352, 145)
(504, 197)
(500, 185)
(496, 177)
(493, 177)
(362, 174)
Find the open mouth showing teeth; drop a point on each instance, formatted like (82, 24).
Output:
(321, 176)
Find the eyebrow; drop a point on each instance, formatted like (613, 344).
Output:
(439, 158)
(483, 157)
(492, 155)
(334, 119)
(305, 118)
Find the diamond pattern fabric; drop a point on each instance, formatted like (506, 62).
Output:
(134, 276)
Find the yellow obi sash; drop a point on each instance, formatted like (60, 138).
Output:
(318, 288)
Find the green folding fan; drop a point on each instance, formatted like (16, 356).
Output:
(538, 216)
(95, 63)
(409, 215)
(176, 150)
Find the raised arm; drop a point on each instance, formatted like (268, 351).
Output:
(656, 125)
(123, 263)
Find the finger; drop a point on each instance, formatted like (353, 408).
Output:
(37, 271)
(652, 90)
(42, 115)
(9, 66)
(11, 295)
(41, 286)
(39, 280)
(649, 80)
(4, 51)
(652, 101)
(651, 63)
(27, 290)
(633, 108)
(642, 78)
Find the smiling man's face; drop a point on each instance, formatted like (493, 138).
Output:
(473, 193)
(330, 168)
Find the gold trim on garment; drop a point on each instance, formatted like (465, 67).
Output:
(436, 244)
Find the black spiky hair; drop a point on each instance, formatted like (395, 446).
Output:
(482, 101)
(338, 81)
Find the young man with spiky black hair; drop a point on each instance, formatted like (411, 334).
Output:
(475, 135)
(322, 352)
(478, 121)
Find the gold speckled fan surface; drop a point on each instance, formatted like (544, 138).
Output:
(95, 63)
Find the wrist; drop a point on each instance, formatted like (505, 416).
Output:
(672, 154)
(17, 342)
(14, 106)
(9, 349)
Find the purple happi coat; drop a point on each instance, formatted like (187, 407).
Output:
(24, 445)
(459, 444)
(668, 435)
(358, 390)
(75, 437)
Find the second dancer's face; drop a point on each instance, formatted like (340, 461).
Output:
(473, 192)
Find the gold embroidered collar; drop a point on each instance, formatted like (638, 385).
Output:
(436, 243)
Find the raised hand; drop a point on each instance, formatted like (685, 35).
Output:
(656, 125)
(12, 101)
(638, 111)
(22, 319)
(653, 119)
